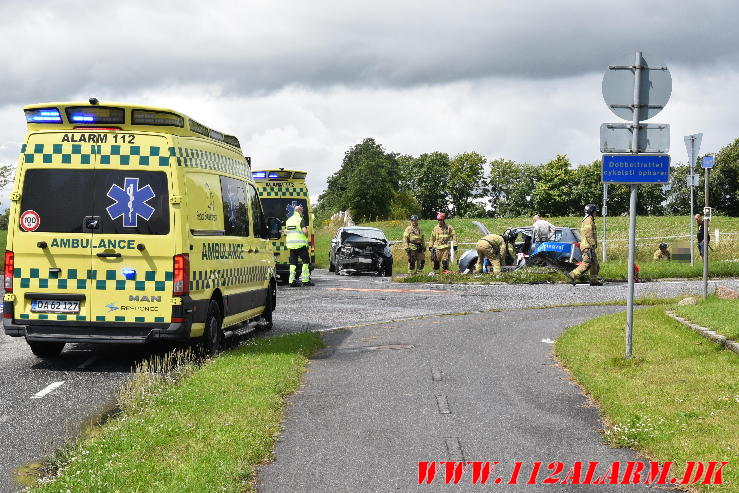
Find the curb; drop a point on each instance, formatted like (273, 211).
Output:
(707, 333)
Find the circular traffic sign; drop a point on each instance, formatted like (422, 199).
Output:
(30, 220)
(654, 89)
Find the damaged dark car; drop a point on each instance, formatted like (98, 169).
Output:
(356, 249)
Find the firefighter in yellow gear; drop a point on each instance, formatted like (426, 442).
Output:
(414, 245)
(662, 253)
(441, 242)
(491, 247)
(588, 245)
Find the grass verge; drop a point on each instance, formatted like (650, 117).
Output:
(676, 400)
(206, 432)
(716, 314)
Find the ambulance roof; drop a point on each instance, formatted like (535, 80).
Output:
(118, 116)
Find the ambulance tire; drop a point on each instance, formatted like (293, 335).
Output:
(46, 349)
(389, 268)
(212, 340)
(331, 267)
(269, 306)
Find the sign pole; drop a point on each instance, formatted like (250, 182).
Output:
(692, 188)
(632, 205)
(706, 226)
(605, 215)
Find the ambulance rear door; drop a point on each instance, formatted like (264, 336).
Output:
(134, 244)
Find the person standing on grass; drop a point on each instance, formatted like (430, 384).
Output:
(701, 232)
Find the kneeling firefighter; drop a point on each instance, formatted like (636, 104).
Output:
(497, 249)
(413, 244)
(441, 242)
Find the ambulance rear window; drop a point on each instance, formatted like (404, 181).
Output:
(283, 208)
(126, 202)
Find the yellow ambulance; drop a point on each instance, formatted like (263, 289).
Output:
(281, 190)
(133, 224)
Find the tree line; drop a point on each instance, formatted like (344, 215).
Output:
(375, 184)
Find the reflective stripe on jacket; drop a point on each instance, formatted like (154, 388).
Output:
(294, 237)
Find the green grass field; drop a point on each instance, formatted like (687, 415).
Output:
(676, 400)
(716, 314)
(206, 432)
(647, 227)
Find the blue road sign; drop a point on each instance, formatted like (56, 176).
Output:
(636, 168)
(707, 162)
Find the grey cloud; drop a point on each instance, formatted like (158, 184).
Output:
(54, 49)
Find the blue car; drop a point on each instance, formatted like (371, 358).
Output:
(562, 252)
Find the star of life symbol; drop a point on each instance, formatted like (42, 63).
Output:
(130, 202)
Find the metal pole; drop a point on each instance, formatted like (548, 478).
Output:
(632, 206)
(632, 255)
(605, 214)
(706, 225)
(692, 235)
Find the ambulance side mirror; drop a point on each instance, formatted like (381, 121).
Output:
(275, 225)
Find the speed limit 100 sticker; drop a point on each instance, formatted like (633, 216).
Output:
(30, 220)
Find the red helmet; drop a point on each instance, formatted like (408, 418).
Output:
(441, 216)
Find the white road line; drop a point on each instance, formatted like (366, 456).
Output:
(547, 341)
(89, 361)
(49, 388)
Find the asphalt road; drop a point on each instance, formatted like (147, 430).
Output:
(33, 425)
(480, 387)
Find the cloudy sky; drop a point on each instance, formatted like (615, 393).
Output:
(300, 82)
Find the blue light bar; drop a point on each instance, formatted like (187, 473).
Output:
(258, 174)
(77, 117)
(43, 115)
(273, 175)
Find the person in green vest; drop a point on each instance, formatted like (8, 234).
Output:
(296, 238)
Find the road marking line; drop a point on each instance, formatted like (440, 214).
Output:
(89, 361)
(454, 448)
(49, 388)
(388, 290)
(443, 404)
(547, 341)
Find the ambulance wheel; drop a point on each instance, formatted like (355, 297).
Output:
(213, 336)
(389, 269)
(331, 267)
(269, 306)
(46, 349)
